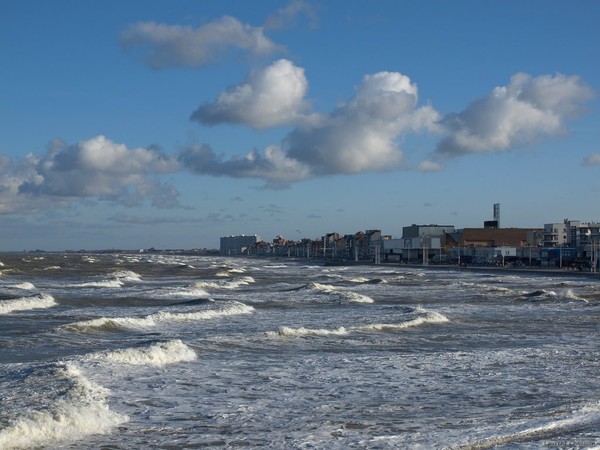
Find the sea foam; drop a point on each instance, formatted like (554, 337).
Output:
(82, 410)
(344, 294)
(295, 332)
(104, 283)
(25, 286)
(126, 275)
(152, 320)
(428, 317)
(157, 355)
(38, 301)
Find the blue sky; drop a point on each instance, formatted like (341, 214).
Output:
(168, 124)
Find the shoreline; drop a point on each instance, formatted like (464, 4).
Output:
(490, 269)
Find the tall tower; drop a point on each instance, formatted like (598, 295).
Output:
(497, 214)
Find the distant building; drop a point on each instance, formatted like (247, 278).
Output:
(498, 237)
(420, 243)
(238, 245)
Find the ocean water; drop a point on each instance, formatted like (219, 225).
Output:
(157, 351)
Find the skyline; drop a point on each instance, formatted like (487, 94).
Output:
(171, 124)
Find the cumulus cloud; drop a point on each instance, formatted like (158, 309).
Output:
(362, 134)
(269, 97)
(94, 169)
(176, 45)
(521, 113)
(272, 165)
(592, 160)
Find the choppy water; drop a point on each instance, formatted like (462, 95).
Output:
(151, 351)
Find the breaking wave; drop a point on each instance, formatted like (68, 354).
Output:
(343, 294)
(81, 410)
(25, 286)
(104, 283)
(156, 355)
(572, 296)
(429, 317)
(233, 284)
(152, 320)
(38, 301)
(126, 275)
(294, 332)
(587, 417)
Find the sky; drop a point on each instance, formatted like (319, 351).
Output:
(169, 124)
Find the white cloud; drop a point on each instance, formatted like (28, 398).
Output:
(521, 113)
(94, 169)
(362, 135)
(176, 45)
(273, 165)
(592, 160)
(269, 97)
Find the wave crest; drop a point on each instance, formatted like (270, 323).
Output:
(83, 410)
(39, 301)
(157, 355)
(294, 332)
(152, 320)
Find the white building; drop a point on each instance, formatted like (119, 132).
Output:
(237, 245)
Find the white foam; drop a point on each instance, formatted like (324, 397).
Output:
(322, 287)
(355, 297)
(111, 324)
(350, 296)
(359, 280)
(585, 418)
(126, 275)
(192, 291)
(39, 301)
(233, 284)
(571, 295)
(295, 332)
(235, 309)
(119, 323)
(104, 283)
(429, 317)
(156, 355)
(25, 286)
(82, 411)
(52, 268)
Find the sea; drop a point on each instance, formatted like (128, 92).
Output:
(138, 351)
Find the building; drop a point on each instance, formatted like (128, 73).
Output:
(495, 246)
(238, 245)
(420, 243)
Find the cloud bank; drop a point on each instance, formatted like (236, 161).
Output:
(272, 165)
(175, 45)
(93, 169)
(360, 135)
(523, 112)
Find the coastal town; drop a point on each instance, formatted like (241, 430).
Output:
(569, 245)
